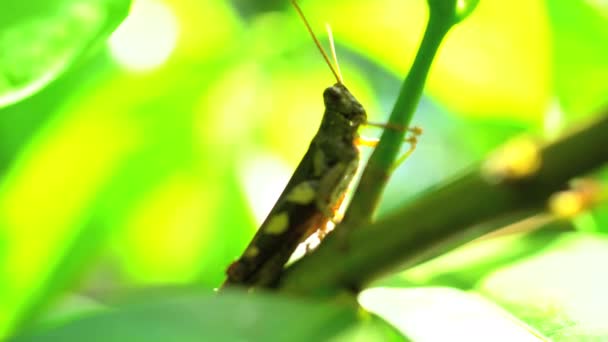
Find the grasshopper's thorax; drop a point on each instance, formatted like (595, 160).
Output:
(343, 113)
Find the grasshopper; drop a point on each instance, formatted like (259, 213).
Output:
(315, 190)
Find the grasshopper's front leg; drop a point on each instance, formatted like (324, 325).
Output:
(412, 140)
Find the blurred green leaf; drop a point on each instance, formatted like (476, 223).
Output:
(494, 64)
(231, 316)
(47, 197)
(444, 314)
(464, 267)
(550, 281)
(117, 158)
(561, 292)
(580, 47)
(69, 308)
(40, 40)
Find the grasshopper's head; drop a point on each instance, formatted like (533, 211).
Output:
(338, 99)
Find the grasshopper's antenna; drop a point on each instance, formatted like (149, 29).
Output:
(333, 51)
(314, 37)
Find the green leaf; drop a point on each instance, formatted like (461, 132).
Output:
(561, 292)
(550, 281)
(441, 314)
(580, 46)
(487, 67)
(229, 316)
(465, 266)
(59, 179)
(117, 165)
(40, 40)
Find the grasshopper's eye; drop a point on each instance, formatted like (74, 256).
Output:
(332, 95)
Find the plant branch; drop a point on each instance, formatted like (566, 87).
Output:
(442, 16)
(418, 231)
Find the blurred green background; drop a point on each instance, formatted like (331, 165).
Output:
(149, 154)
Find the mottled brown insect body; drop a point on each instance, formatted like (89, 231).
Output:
(308, 201)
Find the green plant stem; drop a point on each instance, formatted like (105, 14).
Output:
(419, 231)
(377, 171)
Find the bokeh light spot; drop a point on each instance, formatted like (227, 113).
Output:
(146, 39)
